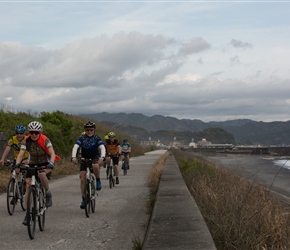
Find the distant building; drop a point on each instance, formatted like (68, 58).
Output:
(203, 143)
(192, 145)
(148, 143)
(175, 144)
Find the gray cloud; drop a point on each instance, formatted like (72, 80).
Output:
(194, 46)
(238, 44)
(135, 72)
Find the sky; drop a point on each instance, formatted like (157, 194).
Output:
(206, 60)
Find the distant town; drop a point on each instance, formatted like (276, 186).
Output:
(205, 145)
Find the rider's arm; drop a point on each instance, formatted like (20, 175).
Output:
(5, 153)
(103, 151)
(52, 154)
(75, 150)
(20, 155)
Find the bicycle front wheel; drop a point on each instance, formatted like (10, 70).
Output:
(31, 212)
(22, 190)
(42, 209)
(11, 196)
(87, 198)
(125, 167)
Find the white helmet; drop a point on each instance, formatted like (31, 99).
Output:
(35, 126)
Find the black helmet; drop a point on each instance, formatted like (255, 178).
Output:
(89, 125)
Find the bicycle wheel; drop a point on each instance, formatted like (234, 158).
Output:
(11, 196)
(42, 209)
(87, 198)
(107, 172)
(125, 167)
(31, 212)
(22, 190)
(93, 196)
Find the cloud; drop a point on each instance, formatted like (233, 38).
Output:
(194, 46)
(238, 44)
(152, 58)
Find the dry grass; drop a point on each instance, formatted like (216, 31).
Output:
(153, 181)
(239, 214)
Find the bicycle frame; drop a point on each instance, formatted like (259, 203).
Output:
(36, 203)
(15, 191)
(89, 188)
(125, 165)
(110, 173)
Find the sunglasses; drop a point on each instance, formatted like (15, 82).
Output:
(19, 133)
(34, 132)
(89, 130)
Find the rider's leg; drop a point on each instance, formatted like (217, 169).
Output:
(45, 184)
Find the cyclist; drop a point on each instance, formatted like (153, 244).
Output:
(15, 143)
(90, 144)
(41, 153)
(113, 151)
(104, 162)
(125, 151)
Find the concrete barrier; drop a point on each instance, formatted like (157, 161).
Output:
(176, 222)
(3, 143)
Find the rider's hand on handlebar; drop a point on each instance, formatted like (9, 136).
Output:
(49, 166)
(17, 166)
(74, 160)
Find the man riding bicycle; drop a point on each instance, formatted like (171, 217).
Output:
(126, 151)
(89, 144)
(15, 143)
(41, 153)
(113, 151)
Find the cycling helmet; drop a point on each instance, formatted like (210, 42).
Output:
(111, 134)
(89, 125)
(106, 137)
(35, 126)
(20, 129)
(125, 140)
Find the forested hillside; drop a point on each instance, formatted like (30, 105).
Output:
(62, 129)
(245, 131)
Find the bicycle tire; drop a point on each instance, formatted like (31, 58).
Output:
(87, 198)
(93, 196)
(22, 191)
(42, 209)
(31, 212)
(11, 195)
(107, 172)
(125, 165)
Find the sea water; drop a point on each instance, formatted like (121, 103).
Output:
(285, 163)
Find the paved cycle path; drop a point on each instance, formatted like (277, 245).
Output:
(120, 215)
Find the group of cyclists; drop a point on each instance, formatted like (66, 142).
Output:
(35, 149)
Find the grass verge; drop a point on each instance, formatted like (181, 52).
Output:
(239, 214)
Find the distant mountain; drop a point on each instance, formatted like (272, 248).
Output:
(244, 131)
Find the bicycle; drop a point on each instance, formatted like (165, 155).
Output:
(16, 189)
(125, 165)
(110, 174)
(90, 188)
(36, 201)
